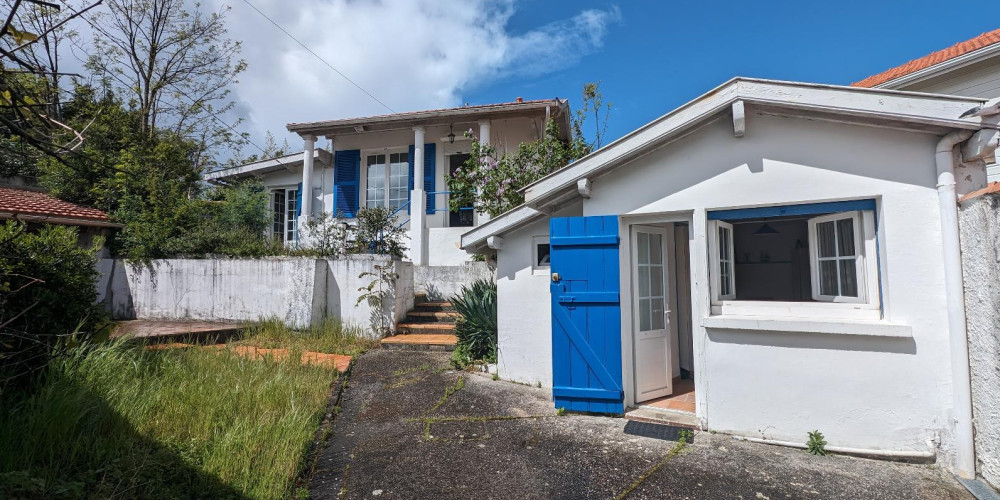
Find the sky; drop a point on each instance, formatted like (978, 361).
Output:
(650, 57)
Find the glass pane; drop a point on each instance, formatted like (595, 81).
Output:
(724, 243)
(845, 237)
(848, 278)
(828, 277)
(655, 249)
(644, 314)
(827, 241)
(656, 281)
(658, 319)
(724, 271)
(543, 255)
(643, 243)
(643, 281)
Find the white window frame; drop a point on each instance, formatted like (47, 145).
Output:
(716, 264)
(866, 307)
(859, 259)
(536, 268)
(363, 181)
(291, 223)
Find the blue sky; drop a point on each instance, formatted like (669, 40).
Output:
(658, 55)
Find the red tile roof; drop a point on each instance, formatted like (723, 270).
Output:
(23, 202)
(984, 40)
(991, 188)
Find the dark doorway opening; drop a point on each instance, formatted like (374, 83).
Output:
(463, 217)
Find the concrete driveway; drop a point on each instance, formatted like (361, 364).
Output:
(410, 427)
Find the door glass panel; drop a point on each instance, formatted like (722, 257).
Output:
(643, 244)
(657, 312)
(643, 281)
(644, 314)
(656, 281)
(655, 251)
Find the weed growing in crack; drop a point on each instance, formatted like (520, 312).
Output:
(816, 445)
(682, 442)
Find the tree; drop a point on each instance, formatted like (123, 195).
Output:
(491, 181)
(173, 64)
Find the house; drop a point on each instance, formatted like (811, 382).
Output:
(373, 161)
(30, 204)
(970, 68)
(769, 259)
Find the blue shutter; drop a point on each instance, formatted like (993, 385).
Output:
(429, 157)
(346, 182)
(298, 200)
(586, 315)
(430, 150)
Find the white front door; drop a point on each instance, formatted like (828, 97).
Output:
(650, 315)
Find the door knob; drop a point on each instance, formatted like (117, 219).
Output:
(556, 277)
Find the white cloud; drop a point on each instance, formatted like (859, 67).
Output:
(412, 55)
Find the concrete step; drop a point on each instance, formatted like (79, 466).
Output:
(666, 417)
(421, 342)
(425, 327)
(434, 307)
(432, 316)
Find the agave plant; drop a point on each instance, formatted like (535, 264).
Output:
(476, 329)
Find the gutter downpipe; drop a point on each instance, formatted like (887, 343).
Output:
(965, 454)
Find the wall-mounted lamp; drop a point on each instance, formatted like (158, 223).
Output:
(451, 135)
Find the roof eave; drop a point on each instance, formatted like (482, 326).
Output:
(954, 63)
(267, 166)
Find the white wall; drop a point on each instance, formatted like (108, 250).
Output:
(524, 307)
(299, 291)
(444, 282)
(980, 223)
(869, 392)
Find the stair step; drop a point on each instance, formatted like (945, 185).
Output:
(431, 317)
(421, 342)
(425, 327)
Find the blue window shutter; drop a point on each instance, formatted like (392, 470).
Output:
(429, 157)
(409, 176)
(298, 200)
(586, 315)
(346, 182)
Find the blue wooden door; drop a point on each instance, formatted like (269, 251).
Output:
(586, 314)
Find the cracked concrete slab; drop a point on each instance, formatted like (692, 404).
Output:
(494, 439)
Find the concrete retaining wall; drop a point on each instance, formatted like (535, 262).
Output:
(442, 282)
(300, 291)
(980, 225)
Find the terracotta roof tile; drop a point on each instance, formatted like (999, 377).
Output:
(26, 202)
(991, 188)
(929, 60)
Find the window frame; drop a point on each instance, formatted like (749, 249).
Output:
(859, 257)
(868, 306)
(290, 223)
(387, 172)
(536, 268)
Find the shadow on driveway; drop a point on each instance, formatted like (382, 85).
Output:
(410, 427)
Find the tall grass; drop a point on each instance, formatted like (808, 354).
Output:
(330, 336)
(118, 421)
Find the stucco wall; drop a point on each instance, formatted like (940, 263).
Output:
(980, 224)
(443, 282)
(299, 291)
(860, 391)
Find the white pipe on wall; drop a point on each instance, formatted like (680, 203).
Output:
(921, 455)
(965, 453)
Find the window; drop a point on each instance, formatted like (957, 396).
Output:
(818, 253)
(284, 224)
(387, 184)
(540, 255)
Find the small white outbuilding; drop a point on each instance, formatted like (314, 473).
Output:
(769, 259)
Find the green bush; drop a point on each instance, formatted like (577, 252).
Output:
(476, 329)
(379, 232)
(47, 293)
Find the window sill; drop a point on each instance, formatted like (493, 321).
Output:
(805, 325)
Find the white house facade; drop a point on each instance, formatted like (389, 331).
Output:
(400, 161)
(769, 259)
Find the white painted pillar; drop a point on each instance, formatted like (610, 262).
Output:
(308, 152)
(418, 202)
(484, 138)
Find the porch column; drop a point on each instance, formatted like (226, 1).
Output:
(308, 151)
(418, 202)
(484, 138)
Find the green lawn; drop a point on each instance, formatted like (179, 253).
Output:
(118, 421)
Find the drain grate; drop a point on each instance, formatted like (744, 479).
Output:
(657, 431)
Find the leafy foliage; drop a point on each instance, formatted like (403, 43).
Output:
(376, 294)
(816, 444)
(379, 232)
(476, 329)
(47, 295)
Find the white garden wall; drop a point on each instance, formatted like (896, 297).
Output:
(299, 291)
(980, 224)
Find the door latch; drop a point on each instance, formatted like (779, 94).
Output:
(556, 277)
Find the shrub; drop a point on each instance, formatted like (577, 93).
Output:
(816, 444)
(47, 293)
(476, 329)
(379, 232)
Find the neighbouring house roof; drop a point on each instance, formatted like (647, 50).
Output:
(35, 206)
(557, 108)
(991, 188)
(984, 41)
(936, 114)
(257, 168)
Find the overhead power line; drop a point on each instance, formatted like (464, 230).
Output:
(276, 25)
